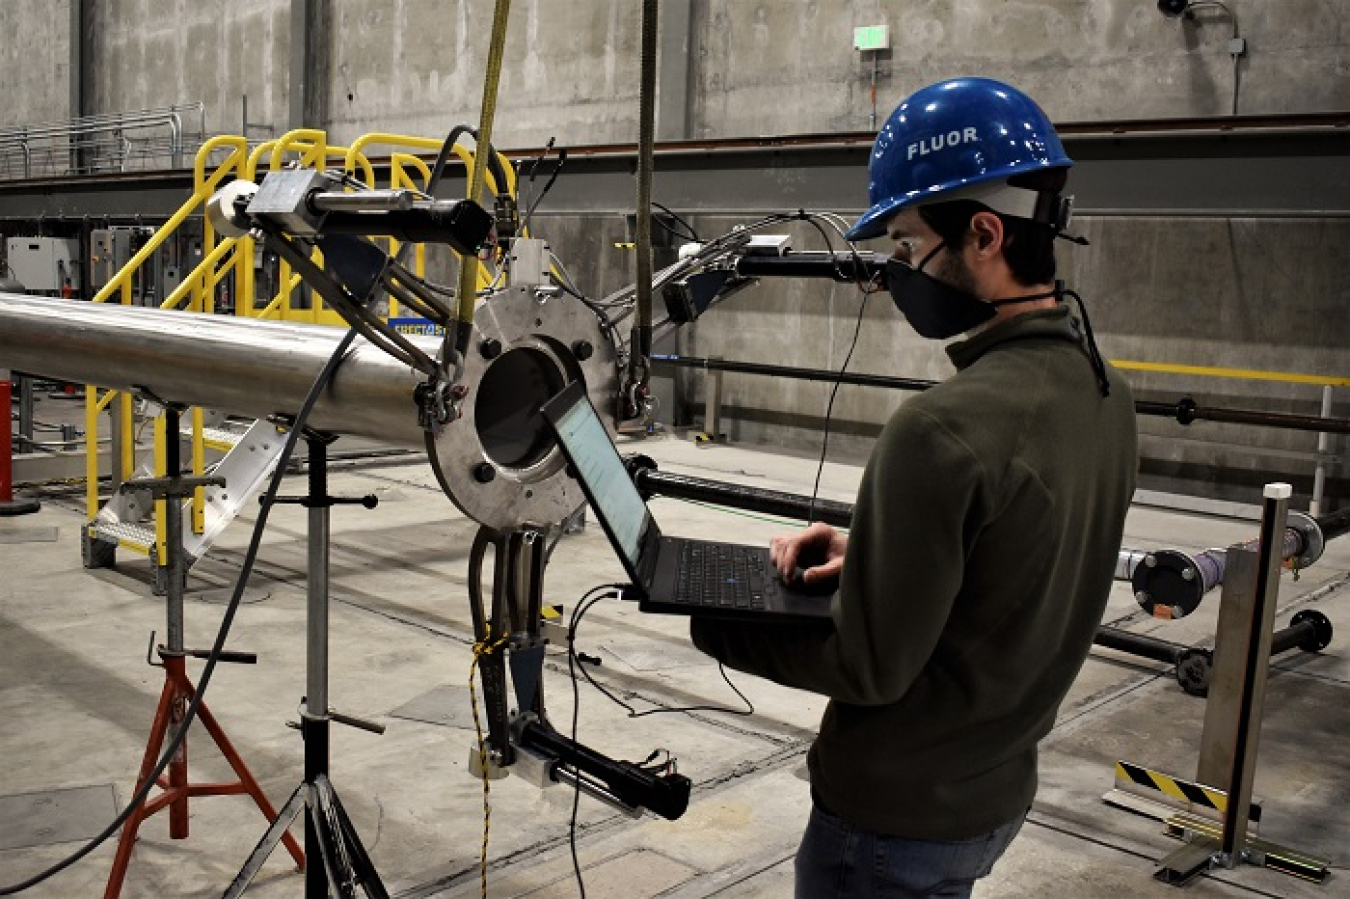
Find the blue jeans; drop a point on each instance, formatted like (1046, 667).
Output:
(839, 861)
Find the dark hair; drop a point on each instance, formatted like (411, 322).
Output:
(1028, 246)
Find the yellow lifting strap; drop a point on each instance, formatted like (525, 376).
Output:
(468, 269)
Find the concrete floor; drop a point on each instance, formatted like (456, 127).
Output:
(76, 699)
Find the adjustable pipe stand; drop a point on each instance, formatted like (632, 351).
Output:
(178, 688)
(329, 834)
(1219, 817)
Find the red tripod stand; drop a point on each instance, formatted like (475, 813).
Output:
(178, 689)
(175, 788)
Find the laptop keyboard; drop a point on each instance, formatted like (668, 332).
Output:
(716, 575)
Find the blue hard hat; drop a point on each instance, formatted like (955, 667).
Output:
(951, 135)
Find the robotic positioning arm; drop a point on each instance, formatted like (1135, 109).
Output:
(478, 409)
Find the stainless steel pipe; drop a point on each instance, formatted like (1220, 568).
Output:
(242, 366)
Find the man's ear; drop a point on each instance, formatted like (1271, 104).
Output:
(986, 230)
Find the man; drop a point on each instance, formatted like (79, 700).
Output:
(985, 533)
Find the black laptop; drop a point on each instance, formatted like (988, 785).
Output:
(672, 575)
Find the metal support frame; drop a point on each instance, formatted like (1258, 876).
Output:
(343, 864)
(178, 689)
(1231, 735)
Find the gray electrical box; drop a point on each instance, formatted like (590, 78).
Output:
(44, 264)
(109, 250)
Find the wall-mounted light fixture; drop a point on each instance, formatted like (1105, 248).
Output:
(1237, 46)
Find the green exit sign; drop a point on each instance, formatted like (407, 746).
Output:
(871, 37)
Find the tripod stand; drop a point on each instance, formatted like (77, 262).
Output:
(329, 834)
(178, 689)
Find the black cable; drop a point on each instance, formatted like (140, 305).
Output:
(190, 714)
(528, 189)
(548, 185)
(447, 146)
(576, 709)
(829, 407)
(810, 219)
(689, 229)
(580, 613)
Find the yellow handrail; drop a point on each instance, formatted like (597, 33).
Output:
(204, 185)
(1241, 374)
(398, 178)
(310, 147)
(464, 154)
(121, 282)
(399, 163)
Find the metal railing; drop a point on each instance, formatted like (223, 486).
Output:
(1185, 411)
(112, 142)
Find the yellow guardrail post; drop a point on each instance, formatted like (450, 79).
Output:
(120, 287)
(91, 410)
(400, 178)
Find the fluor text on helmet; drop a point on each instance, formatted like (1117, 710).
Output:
(941, 141)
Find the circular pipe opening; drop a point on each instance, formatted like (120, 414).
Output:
(506, 411)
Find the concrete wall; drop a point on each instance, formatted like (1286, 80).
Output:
(771, 68)
(152, 53)
(34, 62)
(757, 67)
(417, 67)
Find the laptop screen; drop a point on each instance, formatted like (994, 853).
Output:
(599, 467)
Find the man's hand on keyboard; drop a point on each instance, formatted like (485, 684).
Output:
(812, 555)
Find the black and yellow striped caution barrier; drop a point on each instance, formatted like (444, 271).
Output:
(1197, 794)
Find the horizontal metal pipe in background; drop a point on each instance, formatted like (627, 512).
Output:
(1141, 645)
(1184, 411)
(1334, 524)
(243, 366)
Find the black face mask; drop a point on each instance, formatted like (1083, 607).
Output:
(935, 309)
(938, 311)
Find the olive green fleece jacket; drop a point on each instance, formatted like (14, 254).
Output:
(980, 555)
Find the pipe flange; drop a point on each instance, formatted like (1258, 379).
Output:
(1322, 630)
(1194, 666)
(1313, 541)
(498, 461)
(1168, 584)
(637, 464)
